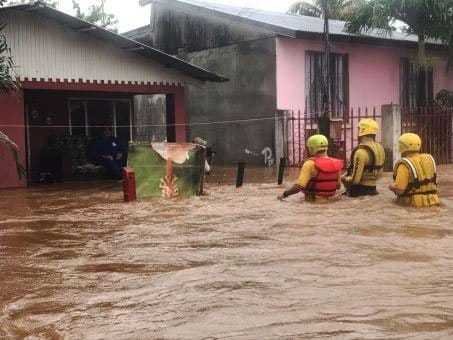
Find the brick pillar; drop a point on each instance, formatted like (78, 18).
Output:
(391, 131)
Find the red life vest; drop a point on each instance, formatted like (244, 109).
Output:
(325, 184)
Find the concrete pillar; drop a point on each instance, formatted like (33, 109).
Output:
(391, 131)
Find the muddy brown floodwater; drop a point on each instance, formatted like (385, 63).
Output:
(77, 263)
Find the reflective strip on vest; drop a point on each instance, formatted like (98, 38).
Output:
(417, 183)
(412, 168)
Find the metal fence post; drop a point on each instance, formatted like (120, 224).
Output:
(281, 170)
(240, 174)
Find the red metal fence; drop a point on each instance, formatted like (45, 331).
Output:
(434, 125)
(343, 133)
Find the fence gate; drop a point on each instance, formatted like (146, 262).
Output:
(434, 125)
(343, 133)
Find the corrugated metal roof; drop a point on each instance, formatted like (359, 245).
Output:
(138, 33)
(290, 25)
(119, 40)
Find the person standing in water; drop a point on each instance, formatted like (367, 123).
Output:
(367, 162)
(320, 176)
(109, 154)
(415, 174)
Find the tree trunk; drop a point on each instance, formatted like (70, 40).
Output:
(324, 121)
(422, 60)
(450, 53)
(423, 68)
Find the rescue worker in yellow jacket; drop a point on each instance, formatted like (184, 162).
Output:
(320, 176)
(415, 175)
(367, 162)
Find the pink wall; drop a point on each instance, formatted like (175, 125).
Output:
(12, 113)
(374, 80)
(373, 73)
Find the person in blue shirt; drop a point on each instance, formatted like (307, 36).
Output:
(109, 154)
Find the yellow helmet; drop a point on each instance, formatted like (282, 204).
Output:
(317, 143)
(368, 126)
(410, 142)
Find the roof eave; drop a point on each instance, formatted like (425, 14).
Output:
(367, 40)
(127, 43)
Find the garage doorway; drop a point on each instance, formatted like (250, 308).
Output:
(89, 117)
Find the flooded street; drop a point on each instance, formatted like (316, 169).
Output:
(78, 263)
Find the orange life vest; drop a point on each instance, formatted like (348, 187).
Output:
(325, 184)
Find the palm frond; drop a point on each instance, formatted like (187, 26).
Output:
(305, 8)
(428, 19)
(14, 150)
(372, 15)
(338, 9)
(8, 84)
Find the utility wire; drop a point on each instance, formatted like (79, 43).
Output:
(146, 125)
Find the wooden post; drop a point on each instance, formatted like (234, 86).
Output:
(281, 170)
(240, 174)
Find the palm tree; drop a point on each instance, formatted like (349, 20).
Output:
(338, 9)
(8, 84)
(444, 28)
(424, 18)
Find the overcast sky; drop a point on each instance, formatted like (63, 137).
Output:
(131, 15)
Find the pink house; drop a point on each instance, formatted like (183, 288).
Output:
(274, 63)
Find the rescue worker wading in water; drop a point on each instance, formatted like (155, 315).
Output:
(415, 176)
(320, 176)
(367, 162)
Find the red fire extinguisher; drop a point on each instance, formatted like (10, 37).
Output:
(129, 191)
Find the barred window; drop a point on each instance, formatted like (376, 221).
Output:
(339, 86)
(416, 84)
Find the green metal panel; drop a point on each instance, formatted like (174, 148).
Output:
(149, 162)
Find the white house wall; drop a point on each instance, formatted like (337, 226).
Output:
(44, 48)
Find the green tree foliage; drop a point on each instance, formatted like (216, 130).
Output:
(97, 15)
(51, 3)
(428, 19)
(338, 9)
(444, 28)
(7, 81)
(8, 84)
